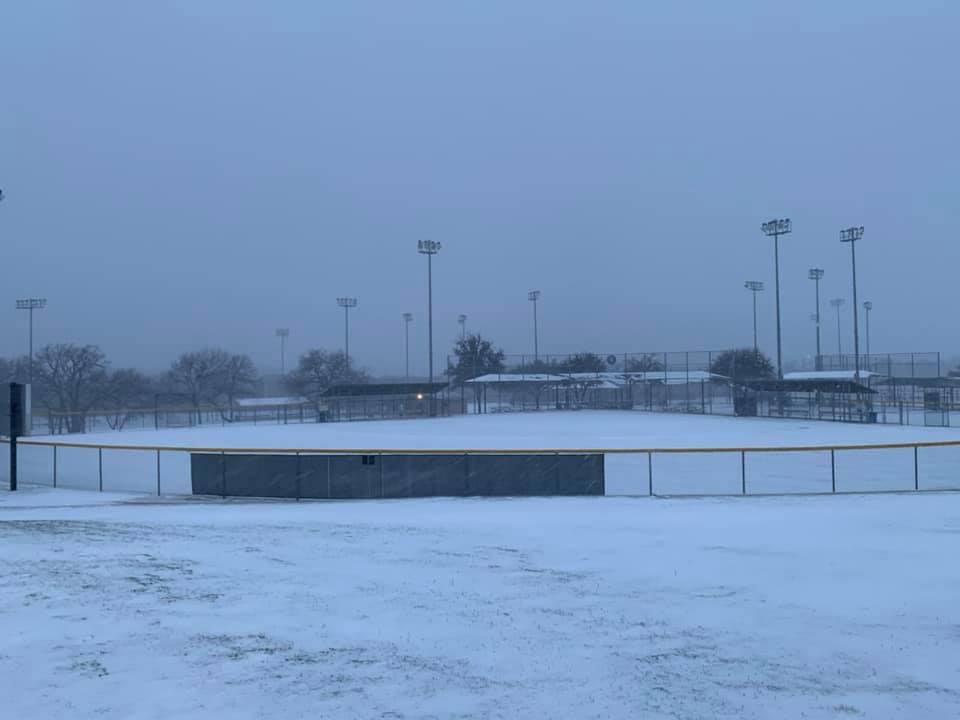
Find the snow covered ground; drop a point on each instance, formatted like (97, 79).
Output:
(584, 429)
(816, 607)
(683, 473)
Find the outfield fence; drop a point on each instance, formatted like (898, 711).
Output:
(160, 470)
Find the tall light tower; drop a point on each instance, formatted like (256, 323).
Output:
(776, 228)
(407, 319)
(533, 296)
(868, 306)
(837, 303)
(31, 304)
(283, 334)
(816, 274)
(851, 235)
(462, 321)
(429, 248)
(346, 303)
(754, 286)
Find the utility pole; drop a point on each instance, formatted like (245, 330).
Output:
(31, 304)
(407, 318)
(429, 248)
(816, 274)
(776, 228)
(283, 334)
(346, 303)
(851, 235)
(868, 306)
(754, 286)
(837, 303)
(533, 296)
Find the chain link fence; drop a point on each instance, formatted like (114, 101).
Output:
(162, 470)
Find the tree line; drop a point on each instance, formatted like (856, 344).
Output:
(474, 356)
(72, 381)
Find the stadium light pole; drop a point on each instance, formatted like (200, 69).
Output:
(851, 235)
(816, 274)
(283, 334)
(346, 303)
(407, 319)
(533, 296)
(837, 303)
(867, 307)
(776, 228)
(462, 320)
(429, 248)
(754, 286)
(31, 304)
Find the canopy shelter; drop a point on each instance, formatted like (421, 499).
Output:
(366, 401)
(606, 389)
(835, 375)
(818, 399)
(844, 387)
(383, 389)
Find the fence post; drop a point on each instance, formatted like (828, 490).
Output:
(380, 463)
(158, 472)
(916, 467)
(650, 472)
(743, 472)
(298, 477)
(833, 470)
(54, 465)
(223, 474)
(100, 466)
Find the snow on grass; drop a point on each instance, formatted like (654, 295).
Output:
(586, 429)
(535, 608)
(625, 474)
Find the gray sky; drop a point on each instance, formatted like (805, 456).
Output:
(201, 172)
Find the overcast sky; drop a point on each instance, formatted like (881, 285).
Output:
(182, 174)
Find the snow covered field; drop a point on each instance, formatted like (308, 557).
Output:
(629, 474)
(816, 607)
(584, 429)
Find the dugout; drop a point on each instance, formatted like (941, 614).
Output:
(815, 399)
(370, 401)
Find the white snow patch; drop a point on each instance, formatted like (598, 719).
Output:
(535, 608)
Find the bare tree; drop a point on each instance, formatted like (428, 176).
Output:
(239, 376)
(320, 369)
(15, 370)
(213, 377)
(125, 390)
(648, 362)
(198, 375)
(72, 379)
